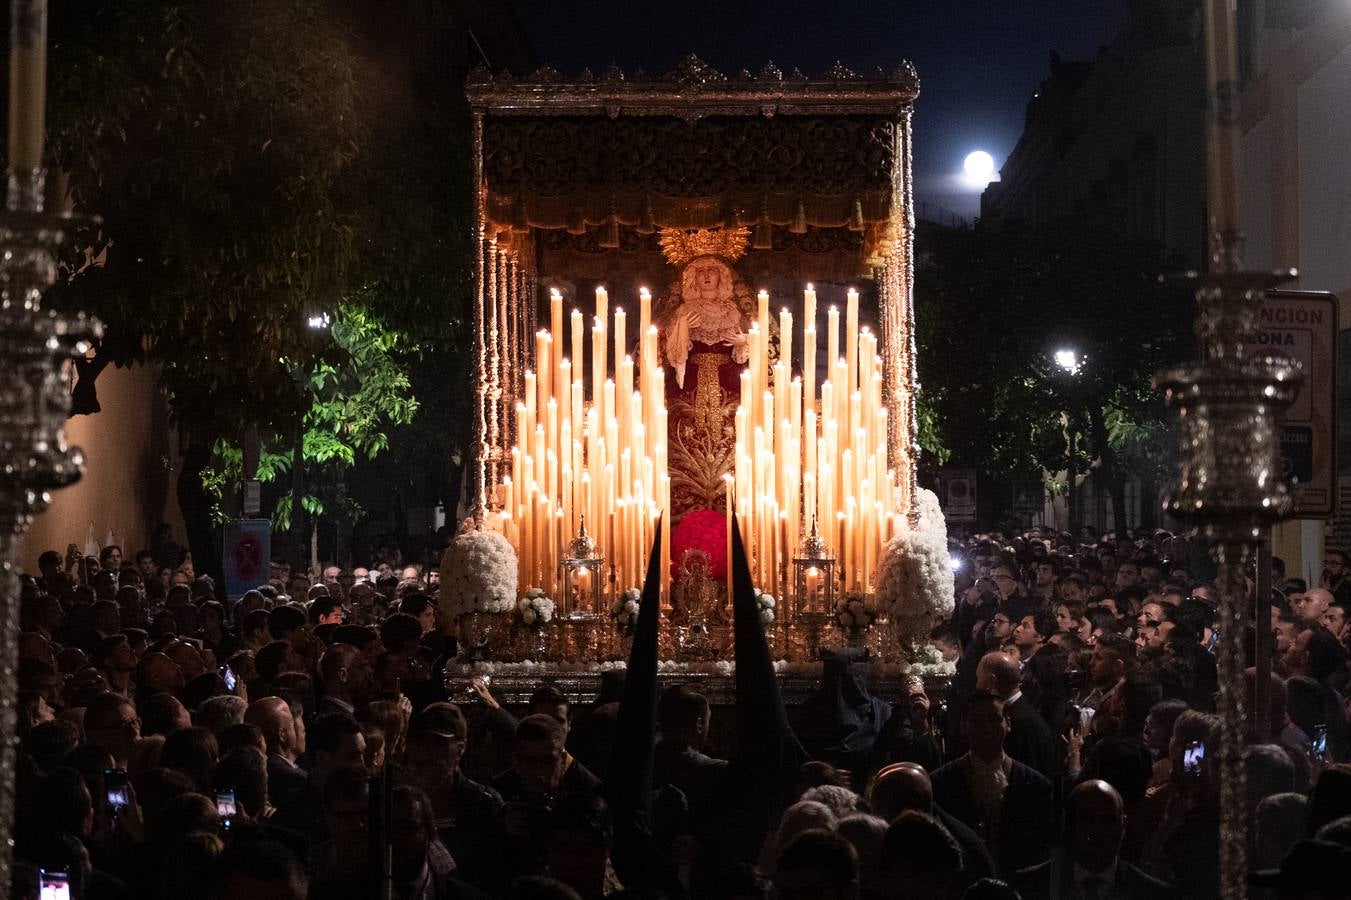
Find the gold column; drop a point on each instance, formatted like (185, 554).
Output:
(911, 353)
(492, 260)
(513, 372)
(479, 447)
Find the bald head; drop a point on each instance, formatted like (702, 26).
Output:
(1096, 824)
(900, 787)
(273, 717)
(344, 670)
(998, 673)
(156, 672)
(1309, 607)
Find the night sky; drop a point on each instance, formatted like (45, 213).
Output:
(979, 60)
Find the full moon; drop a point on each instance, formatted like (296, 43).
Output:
(979, 167)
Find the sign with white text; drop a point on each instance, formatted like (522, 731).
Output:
(1302, 326)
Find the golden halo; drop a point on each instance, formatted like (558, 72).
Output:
(681, 246)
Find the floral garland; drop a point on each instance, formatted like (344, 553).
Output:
(765, 606)
(478, 575)
(624, 612)
(853, 611)
(914, 578)
(535, 608)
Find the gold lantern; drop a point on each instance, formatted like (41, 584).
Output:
(813, 578)
(583, 577)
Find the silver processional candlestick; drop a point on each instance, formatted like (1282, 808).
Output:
(36, 346)
(1228, 405)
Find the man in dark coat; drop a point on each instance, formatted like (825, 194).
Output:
(1030, 739)
(840, 722)
(1005, 802)
(1089, 866)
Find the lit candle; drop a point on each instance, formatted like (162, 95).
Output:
(543, 354)
(851, 340)
(644, 311)
(809, 307)
(620, 349)
(602, 306)
(556, 337)
(832, 341)
(786, 338)
(27, 84)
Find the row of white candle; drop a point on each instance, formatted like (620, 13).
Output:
(801, 457)
(604, 460)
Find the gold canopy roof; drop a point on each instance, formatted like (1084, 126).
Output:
(693, 148)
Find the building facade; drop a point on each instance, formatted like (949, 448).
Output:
(1295, 194)
(1119, 139)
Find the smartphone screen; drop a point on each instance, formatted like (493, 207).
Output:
(1319, 745)
(228, 674)
(1192, 756)
(225, 805)
(115, 785)
(53, 885)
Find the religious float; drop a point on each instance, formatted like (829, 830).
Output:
(693, 312)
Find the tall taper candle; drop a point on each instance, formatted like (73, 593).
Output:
(851, 341)
(578, 348)
(27, 84)
(556, 338)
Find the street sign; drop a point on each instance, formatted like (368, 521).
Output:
(248, 548)
(253, 497)
(957, 494)
(1302, 326)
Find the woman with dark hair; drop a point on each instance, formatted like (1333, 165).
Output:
(193, 752)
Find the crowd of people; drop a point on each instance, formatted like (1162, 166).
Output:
(301, 742)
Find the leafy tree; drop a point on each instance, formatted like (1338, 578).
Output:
(252, 168)
(999, 301)
(356, 394)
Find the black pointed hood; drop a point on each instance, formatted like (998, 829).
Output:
(628, 780)
(765, 741)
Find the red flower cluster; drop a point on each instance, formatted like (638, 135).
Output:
(701, 529)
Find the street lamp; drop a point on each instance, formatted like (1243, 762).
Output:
(1071, 363)
(317, 321)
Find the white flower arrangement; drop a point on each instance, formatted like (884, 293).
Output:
(765, 606)
(914, 577)
(624, 612)
(721, 668)
(854, 611)
(478, 575)
(535, 608)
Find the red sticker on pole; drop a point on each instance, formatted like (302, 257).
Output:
(248, 547)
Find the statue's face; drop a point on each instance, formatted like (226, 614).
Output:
(707, 280)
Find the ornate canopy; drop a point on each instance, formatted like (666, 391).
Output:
(577, 176)
(695, 149)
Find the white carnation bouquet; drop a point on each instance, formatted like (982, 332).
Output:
(478, 575)
(765, 606)
(535, 608)
(914, 577)
(624, 612)
(853, 611)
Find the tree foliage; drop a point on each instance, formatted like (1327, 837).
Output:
(255, 163)
(356, 395)
(995, 303)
